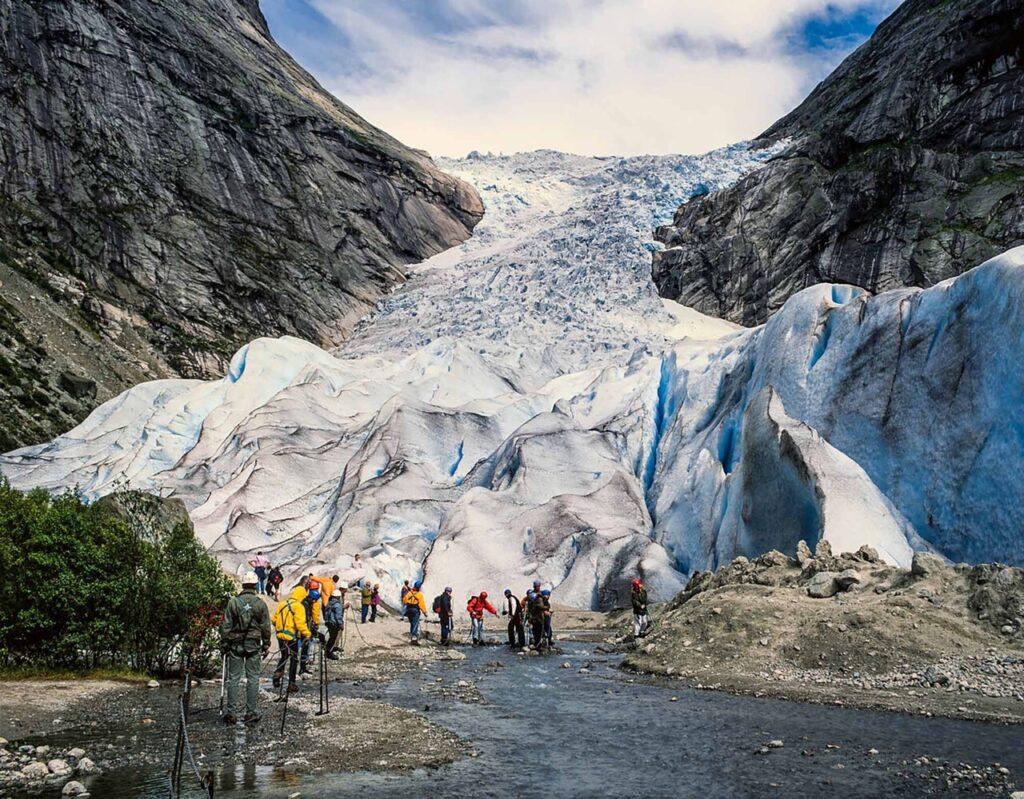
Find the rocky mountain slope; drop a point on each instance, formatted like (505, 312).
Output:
(174, 184)
(903, 168)
(500, 417)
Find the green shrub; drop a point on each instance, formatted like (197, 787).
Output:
(115, 583)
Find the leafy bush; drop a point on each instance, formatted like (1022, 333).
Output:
(120, 582)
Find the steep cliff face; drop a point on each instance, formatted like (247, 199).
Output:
(904, 167)
(174, 184)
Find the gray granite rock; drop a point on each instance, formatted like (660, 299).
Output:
(176, 185)
(905, 167)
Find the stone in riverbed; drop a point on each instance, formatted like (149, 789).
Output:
(35, 770)
(74, 788)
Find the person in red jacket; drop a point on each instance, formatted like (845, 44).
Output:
(476, 607)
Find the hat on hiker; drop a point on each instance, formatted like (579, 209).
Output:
(249, 578)
(336, 592)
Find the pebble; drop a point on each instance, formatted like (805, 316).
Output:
(776, 744)
(152, 684)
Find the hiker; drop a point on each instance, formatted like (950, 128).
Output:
(535, 609)
(443, 609)
(405, 590)
(274, 581)
(374, 602)
(261, 566)
(638, 595)
(245, 640)
(314, 617)
(290, 622)
(366, 597)
(548, 632)
(334, 618)
(514, 610)
(415, 606)
(476, 607)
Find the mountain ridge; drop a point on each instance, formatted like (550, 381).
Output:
(175, 185)
(903, 167)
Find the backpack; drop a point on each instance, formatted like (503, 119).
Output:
(437, 605)
(242, 621)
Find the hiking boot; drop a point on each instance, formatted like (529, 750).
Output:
(276, 680)
(229, 718)
(251, 718)
(293, 688)
(333, 656)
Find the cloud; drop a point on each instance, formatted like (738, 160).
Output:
(588, 76)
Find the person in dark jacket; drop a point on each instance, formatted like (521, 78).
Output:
(516, 630)
(274, 581)
(638, 596)
(549, 633)
(443, 609)
(334, 618)
(245, 636)
(535, 610)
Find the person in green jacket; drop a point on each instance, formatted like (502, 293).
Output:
(245, 637)
(639, 598)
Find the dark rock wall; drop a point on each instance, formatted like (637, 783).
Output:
(173, 185)
(905, 167)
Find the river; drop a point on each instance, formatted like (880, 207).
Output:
(543, 730)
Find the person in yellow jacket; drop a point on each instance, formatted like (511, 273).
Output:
(415, 606)
(292, 629)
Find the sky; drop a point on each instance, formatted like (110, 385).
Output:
(595, 77)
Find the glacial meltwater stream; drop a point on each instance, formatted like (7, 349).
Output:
(543, 730)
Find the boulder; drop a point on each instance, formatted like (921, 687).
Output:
(59, 767)
(926, 564)
(74, 788)
(35, 770)
(86, 766)
(823, 585)
(847, 579)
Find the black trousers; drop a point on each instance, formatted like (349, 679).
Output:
(333, 633)
(516, 633)
(537, 627)
(289, 656)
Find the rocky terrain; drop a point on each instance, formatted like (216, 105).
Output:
(935, 639)
(175, 184)
(903, 168)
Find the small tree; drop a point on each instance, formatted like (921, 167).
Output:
(116, 582)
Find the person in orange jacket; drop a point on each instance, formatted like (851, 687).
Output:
(476, 607)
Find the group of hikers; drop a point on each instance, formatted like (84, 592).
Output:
(315, 602)
(268, 577)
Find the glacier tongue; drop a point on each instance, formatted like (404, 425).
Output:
(527, 407)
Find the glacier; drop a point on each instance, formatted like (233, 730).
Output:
(526, 407)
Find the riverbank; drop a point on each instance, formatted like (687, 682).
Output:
(849, 630)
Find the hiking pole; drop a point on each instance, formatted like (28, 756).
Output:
(223, 679)
(320, 675)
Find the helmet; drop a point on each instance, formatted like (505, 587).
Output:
(314, 594)
(636, 583)
(545, 592)
(448, 589)
(313, 586)
(417, 585)
(508, 592)
(249, 578)
(536, 584)
(483, 595)
(336, 592)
